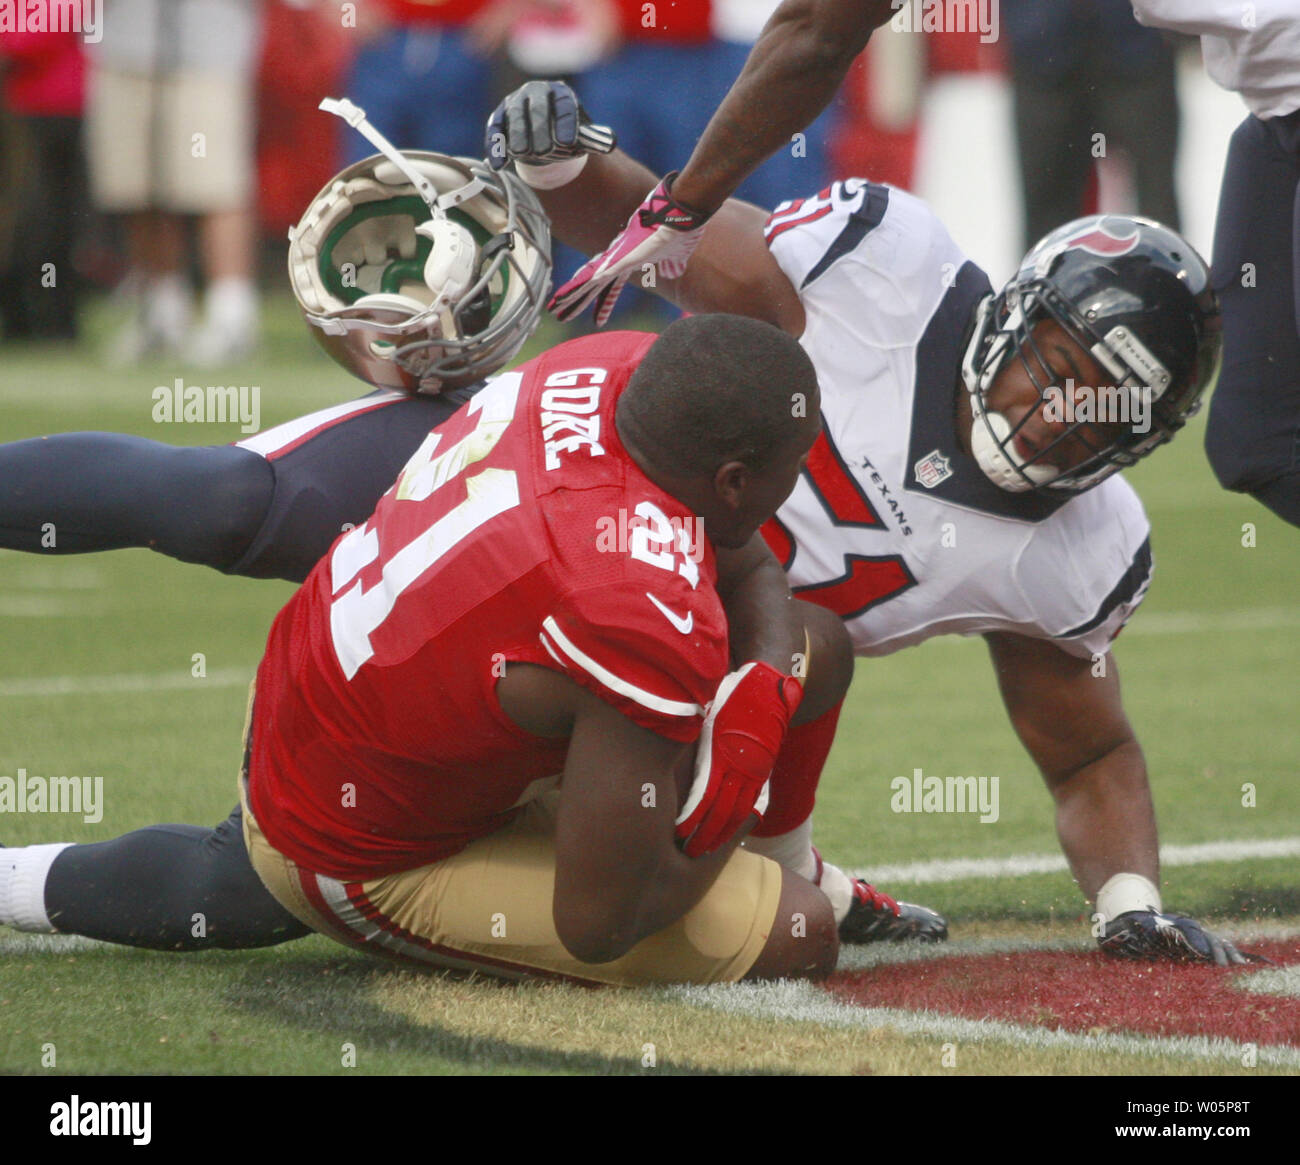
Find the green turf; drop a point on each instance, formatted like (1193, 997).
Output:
(304, 1009)
(1209, 665)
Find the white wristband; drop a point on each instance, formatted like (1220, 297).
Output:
(1125, 892)
(553, 174)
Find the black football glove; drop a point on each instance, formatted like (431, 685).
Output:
(543, 122)
(1145, 934)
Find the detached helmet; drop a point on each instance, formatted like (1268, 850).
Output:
(420, 271)
(1135, 295)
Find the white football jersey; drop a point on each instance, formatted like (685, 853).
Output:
(892, 525)
(1249, 46)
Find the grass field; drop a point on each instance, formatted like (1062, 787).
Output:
(97, 678)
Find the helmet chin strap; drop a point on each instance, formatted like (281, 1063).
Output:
(355, 116)
(988, 436)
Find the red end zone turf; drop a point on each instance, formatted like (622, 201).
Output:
(1081, 991)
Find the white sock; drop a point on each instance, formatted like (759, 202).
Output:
(838, 887)
(168, 305)
(231, 305)
(794, 850)
(22, 886)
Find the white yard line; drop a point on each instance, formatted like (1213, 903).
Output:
(865, 956)
(802, 1002)
(225, 677)
(41, 606)
(1277, 981)
(953, 869)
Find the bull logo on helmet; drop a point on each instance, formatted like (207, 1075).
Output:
(1099, 241)
(1098, 236)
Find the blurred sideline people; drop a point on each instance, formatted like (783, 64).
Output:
(675, 67)
(547, 38)
(305, 54)
(420, 76)
(884, 96)
(1078, 69)
(1253, 435)
(44, 90)
(170, 135)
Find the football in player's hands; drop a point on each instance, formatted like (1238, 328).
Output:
(744, 728)
(542, 123)
(1148, 934)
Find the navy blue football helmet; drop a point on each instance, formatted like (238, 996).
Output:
(1135, 295)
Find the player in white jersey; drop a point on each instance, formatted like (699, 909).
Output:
(888, 527)
(946, 495)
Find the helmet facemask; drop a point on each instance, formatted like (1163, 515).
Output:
(421, 271)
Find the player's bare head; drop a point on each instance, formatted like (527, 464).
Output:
(721, 412)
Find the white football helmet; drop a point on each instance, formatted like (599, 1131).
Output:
(420, 271)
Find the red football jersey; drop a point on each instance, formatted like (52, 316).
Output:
(433, 12)
(520, 531)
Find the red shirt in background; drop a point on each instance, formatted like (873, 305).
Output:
(434, 11)
(674, 21)
(44, 73)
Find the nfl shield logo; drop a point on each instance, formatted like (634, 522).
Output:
(932, 469)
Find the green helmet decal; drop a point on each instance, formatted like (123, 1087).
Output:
(399, 270)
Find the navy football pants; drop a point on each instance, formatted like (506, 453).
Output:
(236, 511)
(1253, 437)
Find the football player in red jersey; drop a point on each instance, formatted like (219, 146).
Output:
(475, 723)
(475, 638)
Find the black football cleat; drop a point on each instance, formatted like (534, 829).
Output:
(874, 917)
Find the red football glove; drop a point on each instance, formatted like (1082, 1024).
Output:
(661, 231)
(743, 731)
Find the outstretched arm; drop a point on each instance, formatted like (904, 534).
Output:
(790, 77)
(794, 71)
(593, 195)
(732, 269)
(1074, 726)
